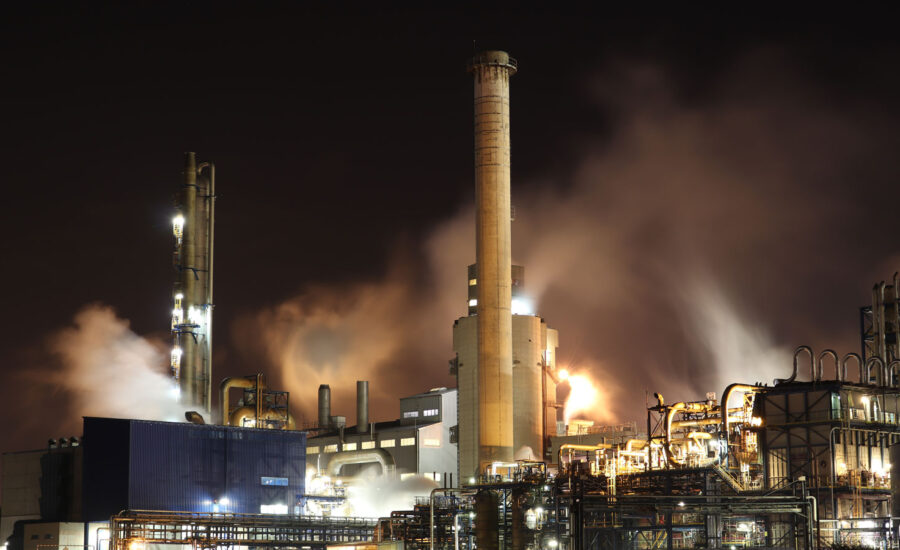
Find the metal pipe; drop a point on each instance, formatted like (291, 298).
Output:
(859, 363)
(869, 363)
(324, 406)
(444, 490)
(362, 406)
(894, 380)
(492, 71)
(227, 384)
(239, 415)
(342, 458)
(812, 368)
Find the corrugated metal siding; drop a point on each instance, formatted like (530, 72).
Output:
(106, 447)
(187, 467)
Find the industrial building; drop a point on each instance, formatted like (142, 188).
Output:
(534, 377)
(798, 464)
(421, 441)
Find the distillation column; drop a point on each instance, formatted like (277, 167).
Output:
(193, 259)
(492, 71)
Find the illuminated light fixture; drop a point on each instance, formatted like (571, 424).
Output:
(224, 501)
(473, 282)
(473, 302)
(681, 504)
(471, 515)
(178, 227)
(179, 296)
(552, 543)
(471, 481)
(563, 374)
(538, 510)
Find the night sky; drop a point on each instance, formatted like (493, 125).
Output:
(671, 171)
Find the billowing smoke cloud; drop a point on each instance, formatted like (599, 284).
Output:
(102, 368)
(692, 246)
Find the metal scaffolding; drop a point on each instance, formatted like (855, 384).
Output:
(215, 530)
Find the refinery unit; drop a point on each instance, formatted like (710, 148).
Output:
(797, 464)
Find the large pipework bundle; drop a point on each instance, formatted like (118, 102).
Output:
(192, 313)
(492, 71)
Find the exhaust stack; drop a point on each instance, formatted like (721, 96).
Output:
(324, 406)
(362, 406)
(491, 71)
(192, 227)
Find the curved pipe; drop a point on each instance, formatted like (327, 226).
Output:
(883, 369)
(229, 383)
(812, 365)
(859, 363)
(744, 388)
(343, 458)
(894, 380)
(837, 365)
(670, 414)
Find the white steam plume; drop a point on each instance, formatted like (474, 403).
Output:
(106, 369)
(749, 185)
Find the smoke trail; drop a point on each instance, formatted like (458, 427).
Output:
(105, 369)
(688, 248)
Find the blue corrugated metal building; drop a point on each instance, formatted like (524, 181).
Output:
(142, 465)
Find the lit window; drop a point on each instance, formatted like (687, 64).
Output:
(407, 441)
(410, 414)
(430, 412)
(404, 477)
(473, 302)
(388, 443)
(431, 442)
(274, 481)
(433, 475)
(279, 509)
(473, 282)
(349, 446)
(368, 444)
(312, 450)
(331, 448)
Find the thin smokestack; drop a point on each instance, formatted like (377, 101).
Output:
(362, 406)
(491, 71)
(324, 406)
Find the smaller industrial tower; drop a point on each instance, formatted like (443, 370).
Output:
(192, 226)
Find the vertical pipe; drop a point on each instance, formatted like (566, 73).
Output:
(207, 402)
(186, 341)
(324, 406)
(492, 71)
(362, 406)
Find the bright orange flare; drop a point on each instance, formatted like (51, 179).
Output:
(583, 397)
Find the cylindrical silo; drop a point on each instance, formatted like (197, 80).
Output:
(492, 71)
(527, 397)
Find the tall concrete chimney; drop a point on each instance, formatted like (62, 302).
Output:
(362, 406)
(492, 71)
